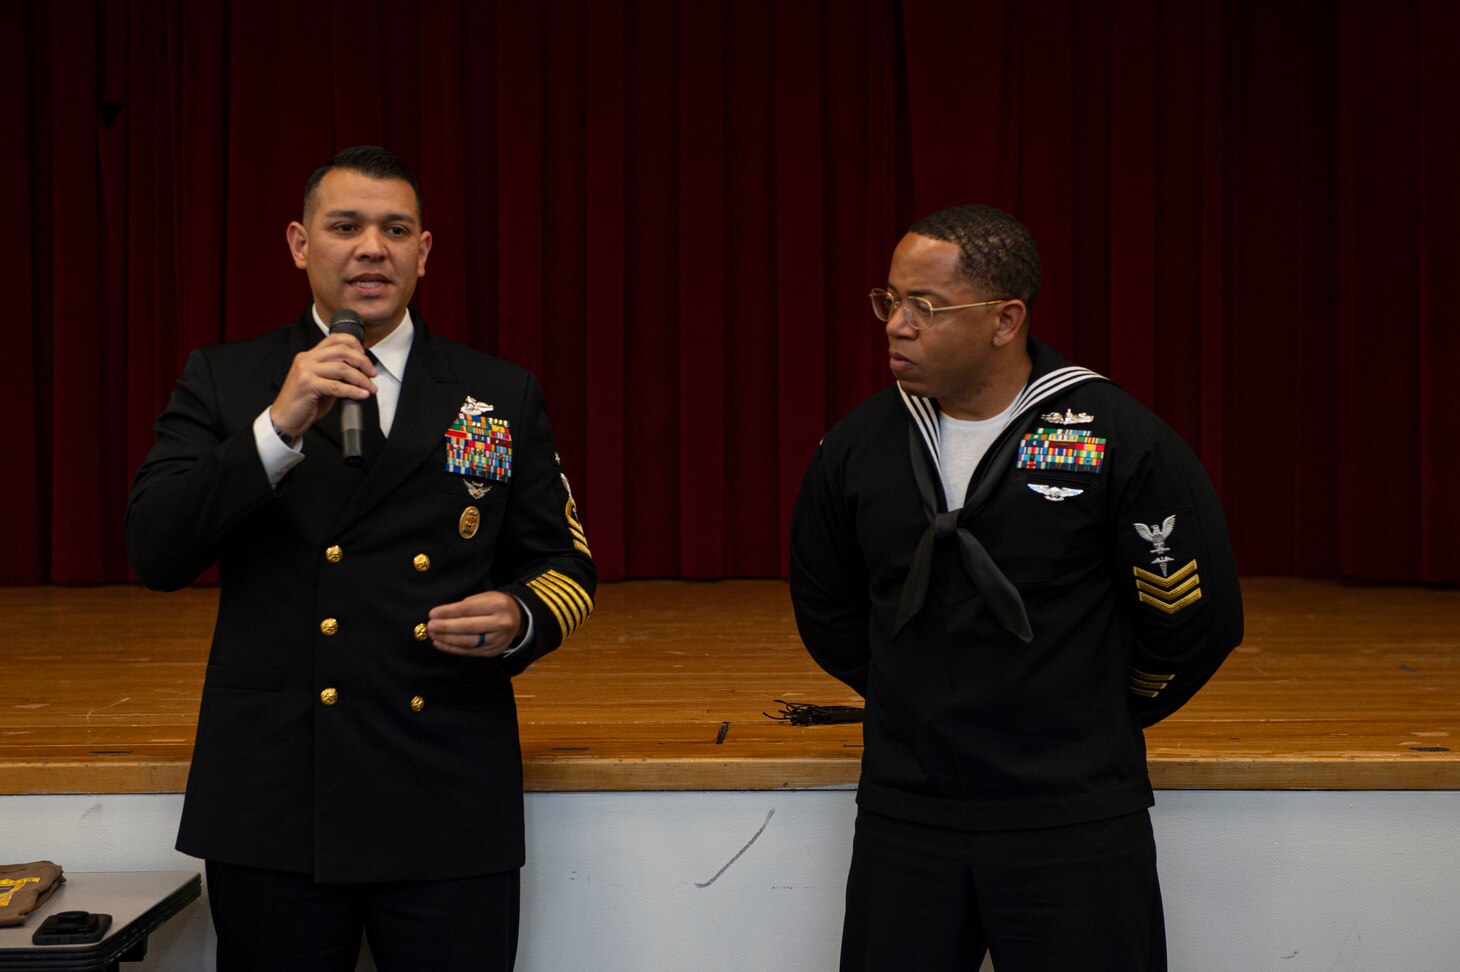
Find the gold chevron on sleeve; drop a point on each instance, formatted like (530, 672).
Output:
(1144, 683)
(1179, 590)
(1170, 594)
(1174, 578)
(575, 527)
(1173, 606)
(565, 598)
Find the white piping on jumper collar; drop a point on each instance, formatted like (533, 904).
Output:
(926, 415)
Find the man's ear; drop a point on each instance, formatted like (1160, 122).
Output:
(298, 239)
(1010, 327)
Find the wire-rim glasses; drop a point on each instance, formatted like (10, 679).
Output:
(920, 310)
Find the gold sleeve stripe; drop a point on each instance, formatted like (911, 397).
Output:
(1175, 592)
(552, 606)
(569, 616)
(1152, 687)
(572, 598)
(1148, 694)
(571, 610)
(568, 601)
(573, 588)
(1166, 583)
(1147, 676)
(1174, 606)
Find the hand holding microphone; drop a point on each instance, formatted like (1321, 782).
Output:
(335, 368)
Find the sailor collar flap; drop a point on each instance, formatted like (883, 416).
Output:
(924, 439)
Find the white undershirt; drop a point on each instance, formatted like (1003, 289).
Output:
(961, 444)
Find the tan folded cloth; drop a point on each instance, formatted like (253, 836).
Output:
(23, 888)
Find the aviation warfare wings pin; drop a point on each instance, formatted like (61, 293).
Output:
(1055, 494)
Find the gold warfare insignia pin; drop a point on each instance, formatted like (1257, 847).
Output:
(471, 518)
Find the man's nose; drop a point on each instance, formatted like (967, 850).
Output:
(370, 244)
(900, 323)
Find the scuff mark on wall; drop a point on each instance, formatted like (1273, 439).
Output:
(771, 813)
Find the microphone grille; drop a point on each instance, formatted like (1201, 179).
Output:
(346, 321)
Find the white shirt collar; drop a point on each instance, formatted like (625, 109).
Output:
(391, 351)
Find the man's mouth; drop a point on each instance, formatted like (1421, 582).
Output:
(369, 283)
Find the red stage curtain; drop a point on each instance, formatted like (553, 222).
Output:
(672, 211)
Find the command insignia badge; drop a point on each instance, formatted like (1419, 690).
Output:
(1055, 494)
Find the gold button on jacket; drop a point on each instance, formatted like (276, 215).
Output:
(329, 626)
(421, 634)
(329, 696)
(421, 562)
(334, 554)
(417, 703)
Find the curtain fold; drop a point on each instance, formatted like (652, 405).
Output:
(671, 212)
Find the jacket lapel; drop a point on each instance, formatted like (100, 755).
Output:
(430, 397)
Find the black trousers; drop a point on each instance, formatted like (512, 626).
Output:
(284, 922)
(1081, 898)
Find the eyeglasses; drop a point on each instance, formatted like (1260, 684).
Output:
(919, 311)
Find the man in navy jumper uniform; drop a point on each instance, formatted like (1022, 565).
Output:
(1019, 567)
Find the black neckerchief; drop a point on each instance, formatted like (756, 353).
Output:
(1050, 375)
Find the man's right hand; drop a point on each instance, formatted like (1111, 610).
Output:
(336, 367)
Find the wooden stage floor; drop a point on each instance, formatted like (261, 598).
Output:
(1336, 687)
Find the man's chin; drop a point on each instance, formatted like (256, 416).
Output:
(376, 315)
(912, 386)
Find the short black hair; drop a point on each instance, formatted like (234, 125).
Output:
(996, 251)
(370, 160)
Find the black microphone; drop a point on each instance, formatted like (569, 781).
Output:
(352, 422)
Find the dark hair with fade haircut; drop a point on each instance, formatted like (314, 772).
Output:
(995, 249)
(370, 160)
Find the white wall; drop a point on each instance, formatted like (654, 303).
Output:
(1253, 881)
